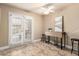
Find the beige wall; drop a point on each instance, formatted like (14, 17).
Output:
(4, 28)
(48, 22)
(71, 21)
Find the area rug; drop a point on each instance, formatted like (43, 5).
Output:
(36, 49)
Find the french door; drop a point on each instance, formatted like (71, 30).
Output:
(20, 29)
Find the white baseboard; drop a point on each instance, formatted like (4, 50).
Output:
(70, 47)
(3, 48)
(37, 40)
(67, 46)
(6, 47)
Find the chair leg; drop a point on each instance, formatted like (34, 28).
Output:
(78, 48)
(48, 39)
(72, 46)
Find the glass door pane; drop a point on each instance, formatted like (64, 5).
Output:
(15, 29)
(27, 29)
(20, 29)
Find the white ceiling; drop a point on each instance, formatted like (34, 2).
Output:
(37, 7)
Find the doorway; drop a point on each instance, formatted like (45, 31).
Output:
(20, 29)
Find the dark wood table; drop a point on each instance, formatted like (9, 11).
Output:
(56, 37)
(72, 40)
(56, 41)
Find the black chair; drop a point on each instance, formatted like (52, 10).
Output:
(72, 41)
(43, 38)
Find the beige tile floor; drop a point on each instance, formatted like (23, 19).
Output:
(36, 49)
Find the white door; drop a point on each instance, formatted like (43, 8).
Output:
(15, 28)
(20, 29)
(27, 29)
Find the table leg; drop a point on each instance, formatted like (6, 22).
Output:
(72, 46)
(54, 40)
(57, 41)
(64, 41)
(61, 43)
(48, 39)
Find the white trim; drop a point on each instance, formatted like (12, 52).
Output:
(70, 47)
(36, 40)
(32, 35)
(3, 48)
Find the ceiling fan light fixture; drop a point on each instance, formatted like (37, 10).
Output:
(46, 12)
(51, 7)
(47, 9)
(43, 9)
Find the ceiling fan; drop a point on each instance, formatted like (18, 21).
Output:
(48, 8)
